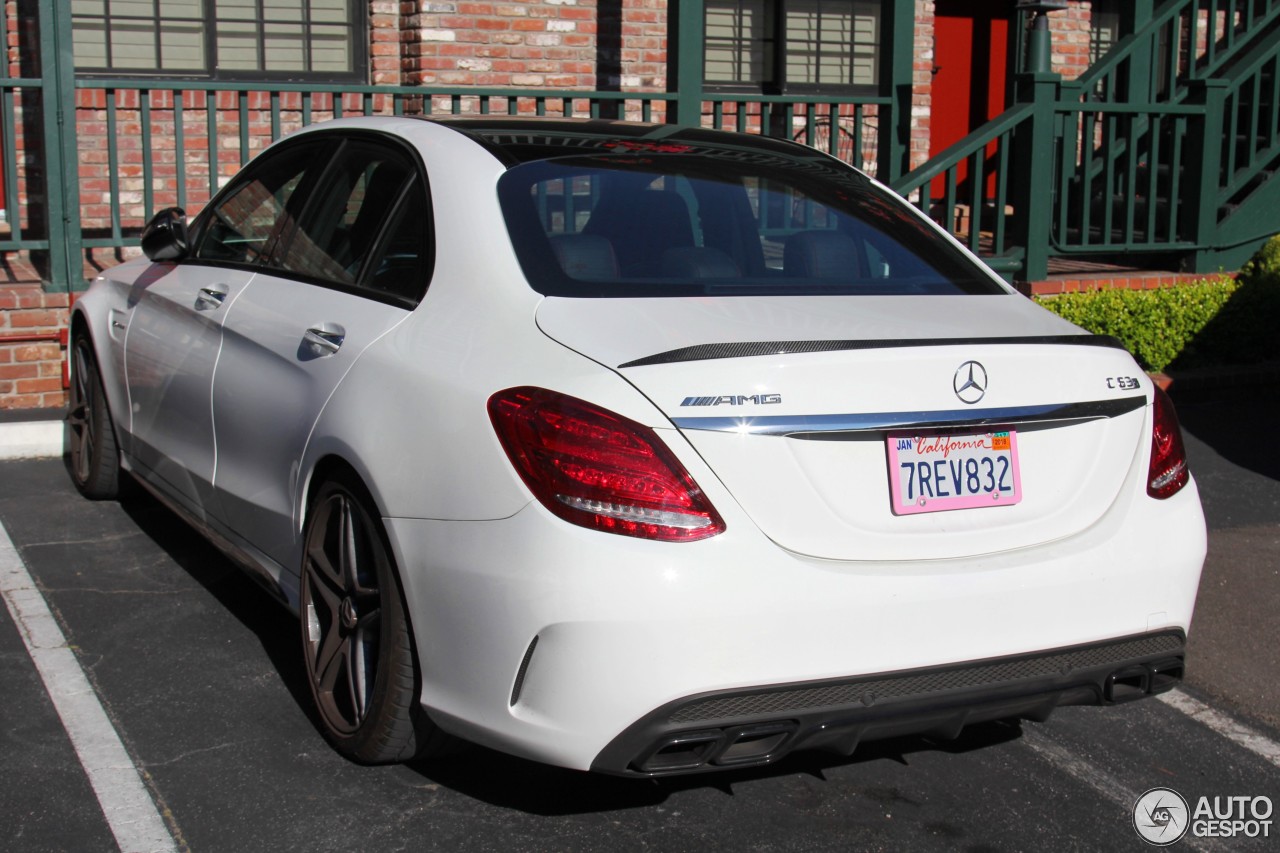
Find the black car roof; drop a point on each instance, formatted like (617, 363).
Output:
(521, 139)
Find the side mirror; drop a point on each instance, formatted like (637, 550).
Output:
(165, 237)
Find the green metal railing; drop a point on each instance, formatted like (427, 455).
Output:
(1156, 153)
(967, 187)
(1169, 49)
(206, 131)
(1251, 119)
(41, 200)
(145, 145)
(210, 130)
(1121, 178)
(846, 128)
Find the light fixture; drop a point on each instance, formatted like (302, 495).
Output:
(1039, 48)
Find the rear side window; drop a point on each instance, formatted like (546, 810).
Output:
(401, 265)
(668, 225)
(365, 226)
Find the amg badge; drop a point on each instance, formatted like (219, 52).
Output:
(733, 400)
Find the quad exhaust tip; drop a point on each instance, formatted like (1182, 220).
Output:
(1139, 680)
(756, 744)
(761, 743)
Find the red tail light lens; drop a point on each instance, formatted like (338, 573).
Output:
(1168, 472)
(600, 470)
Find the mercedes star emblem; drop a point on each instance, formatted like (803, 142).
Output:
(970, 382)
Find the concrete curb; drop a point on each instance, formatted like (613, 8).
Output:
(30, 439)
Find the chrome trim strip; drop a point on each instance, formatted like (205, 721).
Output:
(748, 349)
(831, 426)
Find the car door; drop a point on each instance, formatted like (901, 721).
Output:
(175, 327)
(353, 268)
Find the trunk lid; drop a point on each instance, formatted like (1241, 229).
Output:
(793, 403)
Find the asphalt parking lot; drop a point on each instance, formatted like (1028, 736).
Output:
(198, 675)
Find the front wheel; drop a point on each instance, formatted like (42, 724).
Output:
(355, 636)
(95, 458)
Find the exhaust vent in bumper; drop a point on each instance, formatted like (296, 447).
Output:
(757, 726)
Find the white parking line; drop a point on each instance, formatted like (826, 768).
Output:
(125, 802)
(1111, 788)
(1220, 723)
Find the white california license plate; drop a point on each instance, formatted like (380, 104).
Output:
(931, 473)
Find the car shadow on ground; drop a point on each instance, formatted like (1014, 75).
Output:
(483, 774)
(253, 606)
(539, 789)
(1237, 423)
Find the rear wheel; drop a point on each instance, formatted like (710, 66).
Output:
(355, 636)
(95, 458)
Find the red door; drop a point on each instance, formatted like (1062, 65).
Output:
(970, 60)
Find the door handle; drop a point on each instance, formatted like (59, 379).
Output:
(325, 338)
(211, 297)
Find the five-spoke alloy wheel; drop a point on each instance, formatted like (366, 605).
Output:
(95, 460)
(355, 637)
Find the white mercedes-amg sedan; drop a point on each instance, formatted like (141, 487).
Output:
(637, 448)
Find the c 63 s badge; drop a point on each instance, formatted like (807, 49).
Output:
(734, 400)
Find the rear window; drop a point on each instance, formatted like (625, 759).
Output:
(662, 225)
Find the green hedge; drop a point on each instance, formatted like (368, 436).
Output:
(1216, 322)
(1155, 325)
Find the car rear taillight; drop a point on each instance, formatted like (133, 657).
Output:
(1168, 472)
(598, 469)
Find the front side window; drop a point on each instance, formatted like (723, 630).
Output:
(240, 224)
(686, 225)
(221, 39)
(793, 45)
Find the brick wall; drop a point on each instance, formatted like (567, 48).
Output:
(30, 368)
(922, 82)
(499, 45)
(1071, 31)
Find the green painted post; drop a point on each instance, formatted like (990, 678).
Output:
(1033, 179)
(689, 71)
(1135, 15)
(1204, 156)
(58, 99)
(897, 69)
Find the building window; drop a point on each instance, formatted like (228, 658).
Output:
(221, 39)
(793, 45)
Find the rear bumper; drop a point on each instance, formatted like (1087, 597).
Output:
(576, 648)
(741, 728)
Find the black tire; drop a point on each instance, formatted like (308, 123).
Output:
(356, 640)
(95, 456)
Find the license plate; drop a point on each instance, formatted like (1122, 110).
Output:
(932, 473)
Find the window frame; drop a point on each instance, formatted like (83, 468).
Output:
(775, 14)
(357, 25)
